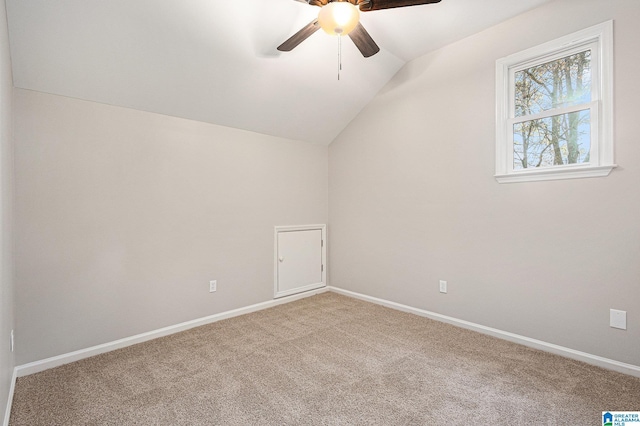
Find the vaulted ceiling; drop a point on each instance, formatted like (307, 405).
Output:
(216, 61)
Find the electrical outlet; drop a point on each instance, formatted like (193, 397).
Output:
(12, 341)
(618, 319)
(443, 286)
(213, 286)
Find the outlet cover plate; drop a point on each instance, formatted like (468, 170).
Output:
(213, 286)
(443, 286)
(618, 319)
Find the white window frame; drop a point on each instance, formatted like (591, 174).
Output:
(599, 39)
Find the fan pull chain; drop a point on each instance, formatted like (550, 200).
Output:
(339, 55)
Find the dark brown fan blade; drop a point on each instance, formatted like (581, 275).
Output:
(299, 37)
(319, 3)
(363, 41)
(366, 6)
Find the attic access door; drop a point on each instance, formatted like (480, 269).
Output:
(300, 253)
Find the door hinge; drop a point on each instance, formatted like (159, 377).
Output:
(321, 268)
(321, 243)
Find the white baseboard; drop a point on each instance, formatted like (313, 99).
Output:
(599, 361)
(45, 364)
(7, 413)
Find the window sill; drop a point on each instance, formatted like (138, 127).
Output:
(555, 174)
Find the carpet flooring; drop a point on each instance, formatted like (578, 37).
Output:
(324, 360)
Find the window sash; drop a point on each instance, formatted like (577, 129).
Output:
(594, 159)
(551, 113)
(594, 69)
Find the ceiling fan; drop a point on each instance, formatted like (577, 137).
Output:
(342, 17)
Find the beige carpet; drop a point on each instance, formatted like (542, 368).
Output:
(324, 360)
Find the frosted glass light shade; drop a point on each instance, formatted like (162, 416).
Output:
(338, 17)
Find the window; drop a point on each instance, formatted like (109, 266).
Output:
(554, 109)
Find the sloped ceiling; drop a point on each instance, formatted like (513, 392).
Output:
(216, 61)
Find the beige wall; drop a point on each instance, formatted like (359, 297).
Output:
(413, 199)
(123, 217)
(6, 206)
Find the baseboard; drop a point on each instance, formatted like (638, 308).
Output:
(599, 361)
(7, 413)
(45, 364)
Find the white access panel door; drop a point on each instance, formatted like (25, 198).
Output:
(300, 259)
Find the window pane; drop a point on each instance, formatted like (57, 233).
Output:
(560, 83)
(556, 140)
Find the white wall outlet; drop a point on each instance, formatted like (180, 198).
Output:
(618, 319)
(213, 286)
(443, 286)
(12, 340)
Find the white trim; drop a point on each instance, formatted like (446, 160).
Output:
(293, 228)
(552, 112)
(55, 361)
(599, 39)
(45, 364)
(606, 93)
(566, 42)
(299, 290)
(7, 413)
(599, 361)
(555, 174)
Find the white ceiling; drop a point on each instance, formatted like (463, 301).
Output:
(216, 61)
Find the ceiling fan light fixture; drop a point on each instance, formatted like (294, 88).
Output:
(338, 18)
